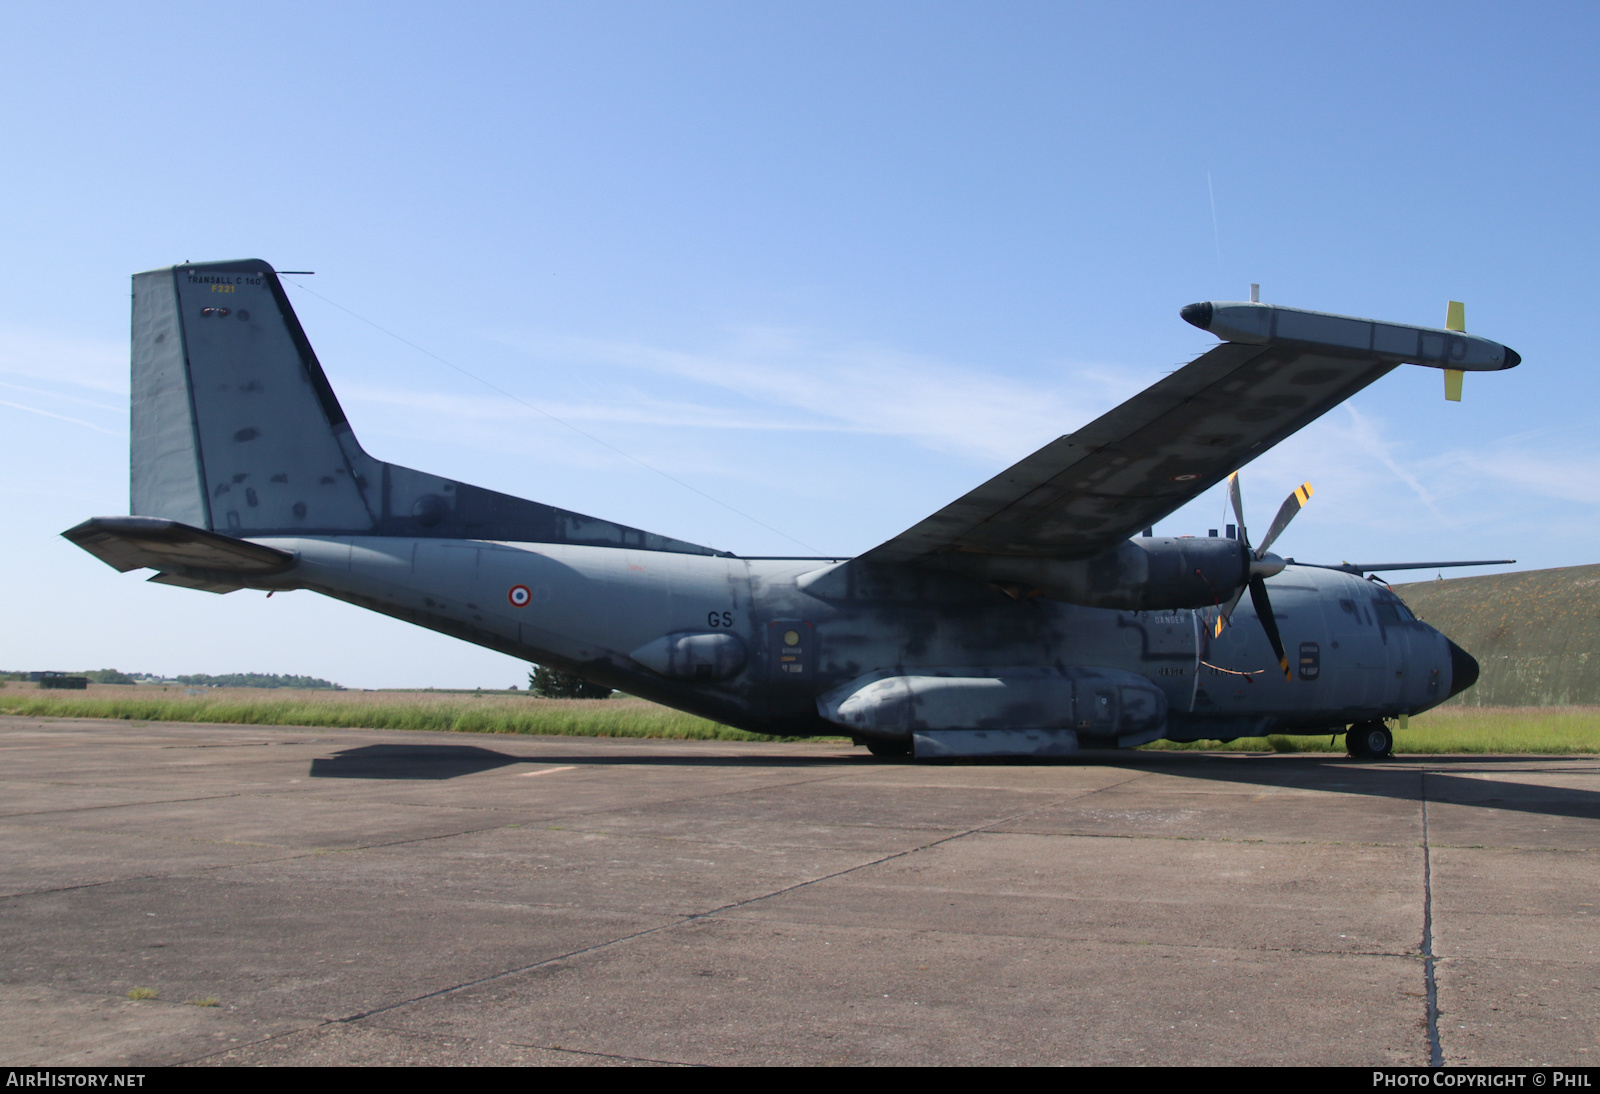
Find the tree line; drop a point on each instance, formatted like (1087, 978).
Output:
(550, 684)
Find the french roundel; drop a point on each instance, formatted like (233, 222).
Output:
(519, 596)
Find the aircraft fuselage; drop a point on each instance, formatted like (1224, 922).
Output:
(1355, 651)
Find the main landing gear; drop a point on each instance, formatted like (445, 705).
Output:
(887, 750)
(1369, 741)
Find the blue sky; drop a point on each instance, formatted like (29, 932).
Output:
(831, 264)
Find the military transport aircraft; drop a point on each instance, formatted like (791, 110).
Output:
(1021, 619)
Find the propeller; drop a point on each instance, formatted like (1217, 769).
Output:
(1263, 565)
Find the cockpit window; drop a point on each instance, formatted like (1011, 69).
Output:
(1392, 612)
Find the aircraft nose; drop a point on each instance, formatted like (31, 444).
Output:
(1463, 669)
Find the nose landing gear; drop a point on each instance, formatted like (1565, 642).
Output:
(1369, 741)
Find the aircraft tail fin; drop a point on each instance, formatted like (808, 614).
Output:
(236, 430)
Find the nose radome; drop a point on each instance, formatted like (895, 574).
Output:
(1463, 669)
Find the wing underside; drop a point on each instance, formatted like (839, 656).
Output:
(1136, 464)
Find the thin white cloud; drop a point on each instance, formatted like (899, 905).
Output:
(632, 408)
(81, 362)
(869, 388)
(62, 418)
(95, 403)
(1366, 435)
(1564, 475)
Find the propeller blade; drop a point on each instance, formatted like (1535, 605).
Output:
(1225, 613)
(1238, 512)
(1269, 623)
(1291, 505)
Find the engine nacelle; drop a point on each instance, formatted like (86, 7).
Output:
(1152, 573)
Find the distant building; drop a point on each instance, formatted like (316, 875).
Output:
(59, 680)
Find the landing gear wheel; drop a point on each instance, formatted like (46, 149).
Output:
(1369, 741)
(888, 750)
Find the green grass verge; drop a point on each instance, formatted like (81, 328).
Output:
(1473, 730)
(561, 718)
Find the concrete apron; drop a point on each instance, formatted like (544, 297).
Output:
(946, 743)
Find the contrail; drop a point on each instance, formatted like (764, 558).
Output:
(1215, 234)
(62, 418)
(1367, 435)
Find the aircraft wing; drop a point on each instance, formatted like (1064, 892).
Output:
(1084, 492)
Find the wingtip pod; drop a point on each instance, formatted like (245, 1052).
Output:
(1271, 324)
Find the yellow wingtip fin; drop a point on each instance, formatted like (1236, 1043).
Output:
(1452, 384)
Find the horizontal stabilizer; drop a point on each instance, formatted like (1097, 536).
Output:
(205, 585)
(129, 543)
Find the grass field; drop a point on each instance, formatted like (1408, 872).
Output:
(1497, 730)
(455, 712)
(1493, 730)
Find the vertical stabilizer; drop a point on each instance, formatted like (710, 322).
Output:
(167, 477)
(236, 430)
(235, 427)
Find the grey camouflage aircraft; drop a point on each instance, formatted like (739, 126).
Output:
(1021, 619)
